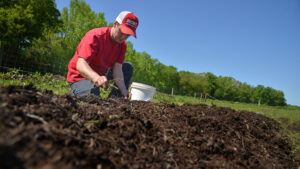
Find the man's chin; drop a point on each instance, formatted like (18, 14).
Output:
(118, 41)
(121, 41)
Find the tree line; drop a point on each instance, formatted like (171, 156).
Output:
(35, 34)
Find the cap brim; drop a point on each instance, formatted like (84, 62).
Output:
(127, 30)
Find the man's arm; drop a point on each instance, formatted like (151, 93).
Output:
(119, 79)
(86, 71)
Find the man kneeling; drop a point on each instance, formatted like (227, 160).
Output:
(100, 57)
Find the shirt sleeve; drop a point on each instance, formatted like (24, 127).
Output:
(88, 47)
(121, 58)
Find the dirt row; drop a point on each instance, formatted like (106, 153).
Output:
(47, 131)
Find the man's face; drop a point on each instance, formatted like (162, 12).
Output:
(117, 35)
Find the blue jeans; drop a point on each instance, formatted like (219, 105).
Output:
(85, 87)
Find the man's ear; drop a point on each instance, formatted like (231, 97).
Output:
(116, 24)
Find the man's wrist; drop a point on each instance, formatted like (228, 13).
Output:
(125, 93)
(95, 78)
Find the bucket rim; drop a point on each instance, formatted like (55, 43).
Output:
(142, 86)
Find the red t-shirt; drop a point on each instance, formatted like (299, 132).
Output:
(99, 50)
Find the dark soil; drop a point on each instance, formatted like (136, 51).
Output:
(46, 131)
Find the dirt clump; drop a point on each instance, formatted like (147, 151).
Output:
(43, 130)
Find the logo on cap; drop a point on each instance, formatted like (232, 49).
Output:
(131, 23)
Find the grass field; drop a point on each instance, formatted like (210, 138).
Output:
(287, 116)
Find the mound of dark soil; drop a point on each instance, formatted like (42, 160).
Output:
(46, 131)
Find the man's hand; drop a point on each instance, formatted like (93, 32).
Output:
(100, 81)
(127, 96)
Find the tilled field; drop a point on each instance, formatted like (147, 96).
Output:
(46, 131)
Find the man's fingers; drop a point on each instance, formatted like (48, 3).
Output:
(104, 78)
(101, 81)
(128, 96)
(104, 85)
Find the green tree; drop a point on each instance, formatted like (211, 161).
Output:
(212, 83)
(191, 83)
(77, 21)
(273, 97)
(279, 99)
(226, 88)
(47, 54)
(54, 50)
(257, 94)
(244, 93)
(170, 78)
(23, 20)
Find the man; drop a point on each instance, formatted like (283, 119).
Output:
(100, 57)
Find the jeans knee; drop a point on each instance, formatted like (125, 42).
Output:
(127, 68)
(128, 65)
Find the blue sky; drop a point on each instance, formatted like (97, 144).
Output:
(253, 41)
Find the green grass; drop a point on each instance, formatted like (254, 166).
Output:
(54, 83)
(285, 115)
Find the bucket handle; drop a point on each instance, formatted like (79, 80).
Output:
(129, 93)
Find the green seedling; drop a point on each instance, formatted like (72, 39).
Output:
(93, 121)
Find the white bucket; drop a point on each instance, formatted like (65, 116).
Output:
(143, 92)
